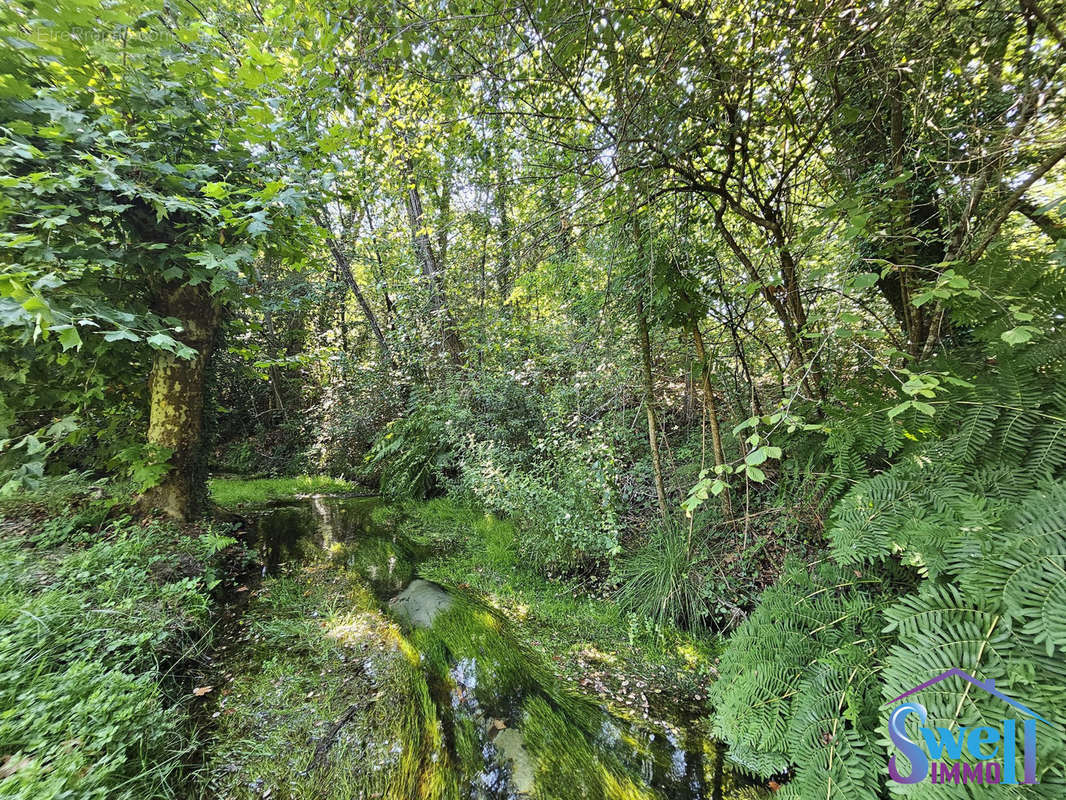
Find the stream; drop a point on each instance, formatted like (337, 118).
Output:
(496, 698)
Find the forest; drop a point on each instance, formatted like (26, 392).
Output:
(653, 400)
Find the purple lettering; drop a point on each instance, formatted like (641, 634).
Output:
(973, 773)
(947, 774)
(992, 772)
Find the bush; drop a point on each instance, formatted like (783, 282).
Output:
(417, 453)
(689, 573)
(555, 479)
(951, 557)
(564, 500)
(665, 580)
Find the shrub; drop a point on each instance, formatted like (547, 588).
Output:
(564, 500)
(965, 531)
(417, 453)
(559, 487)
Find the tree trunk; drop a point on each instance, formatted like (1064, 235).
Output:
(431, 270)
(711, 409)
(1048, 225)
(176, 389)
(344, 267)
(649, 405)
(708, 398)
(501, 198)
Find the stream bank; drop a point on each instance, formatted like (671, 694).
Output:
(352, 675)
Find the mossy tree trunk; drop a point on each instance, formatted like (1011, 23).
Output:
(176, 388)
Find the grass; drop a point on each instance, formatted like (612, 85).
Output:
(323, 698)
(577, 626)
(316, 694)
(98, 614)
(234, 492)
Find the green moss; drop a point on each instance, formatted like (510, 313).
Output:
(506, 667)
(572, 621)
(384, 563)
(568, 766)
(315, 650)
(230, 492)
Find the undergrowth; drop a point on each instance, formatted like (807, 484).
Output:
(230, 492)
(573, 621)
(100, 617)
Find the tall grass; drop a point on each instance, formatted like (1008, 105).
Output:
(665, 580)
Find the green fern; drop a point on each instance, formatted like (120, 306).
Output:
(966, 533)
(797, 680)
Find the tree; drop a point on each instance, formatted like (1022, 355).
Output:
(133, 236)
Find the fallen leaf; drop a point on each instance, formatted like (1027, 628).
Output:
(10, 765)
(200, 691)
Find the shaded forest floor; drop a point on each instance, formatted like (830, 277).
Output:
(215, 682)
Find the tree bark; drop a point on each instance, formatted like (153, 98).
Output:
(501, 199)
(176, 389)
(431, 270)
(649, 405)
(708, 398)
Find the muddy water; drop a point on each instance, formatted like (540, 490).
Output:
(530, 735)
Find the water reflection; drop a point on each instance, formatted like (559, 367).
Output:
(495, 699)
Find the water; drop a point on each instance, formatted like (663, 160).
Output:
(511, 726)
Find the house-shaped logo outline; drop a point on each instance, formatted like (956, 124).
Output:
(989, 686)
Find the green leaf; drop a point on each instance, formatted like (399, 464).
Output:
(161, 341)
(1019, 335)
(895, 411)
(757, 456)
(925, 408)
(215, 189)
(120, 335)
(69, 338)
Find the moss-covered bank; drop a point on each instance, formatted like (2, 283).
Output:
(637, 668)
(321, 694)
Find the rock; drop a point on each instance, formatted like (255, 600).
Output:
(523, 764)
(419, 604)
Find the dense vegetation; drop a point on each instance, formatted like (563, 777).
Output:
(746, 316)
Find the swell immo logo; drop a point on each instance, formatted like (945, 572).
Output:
(985, 755)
